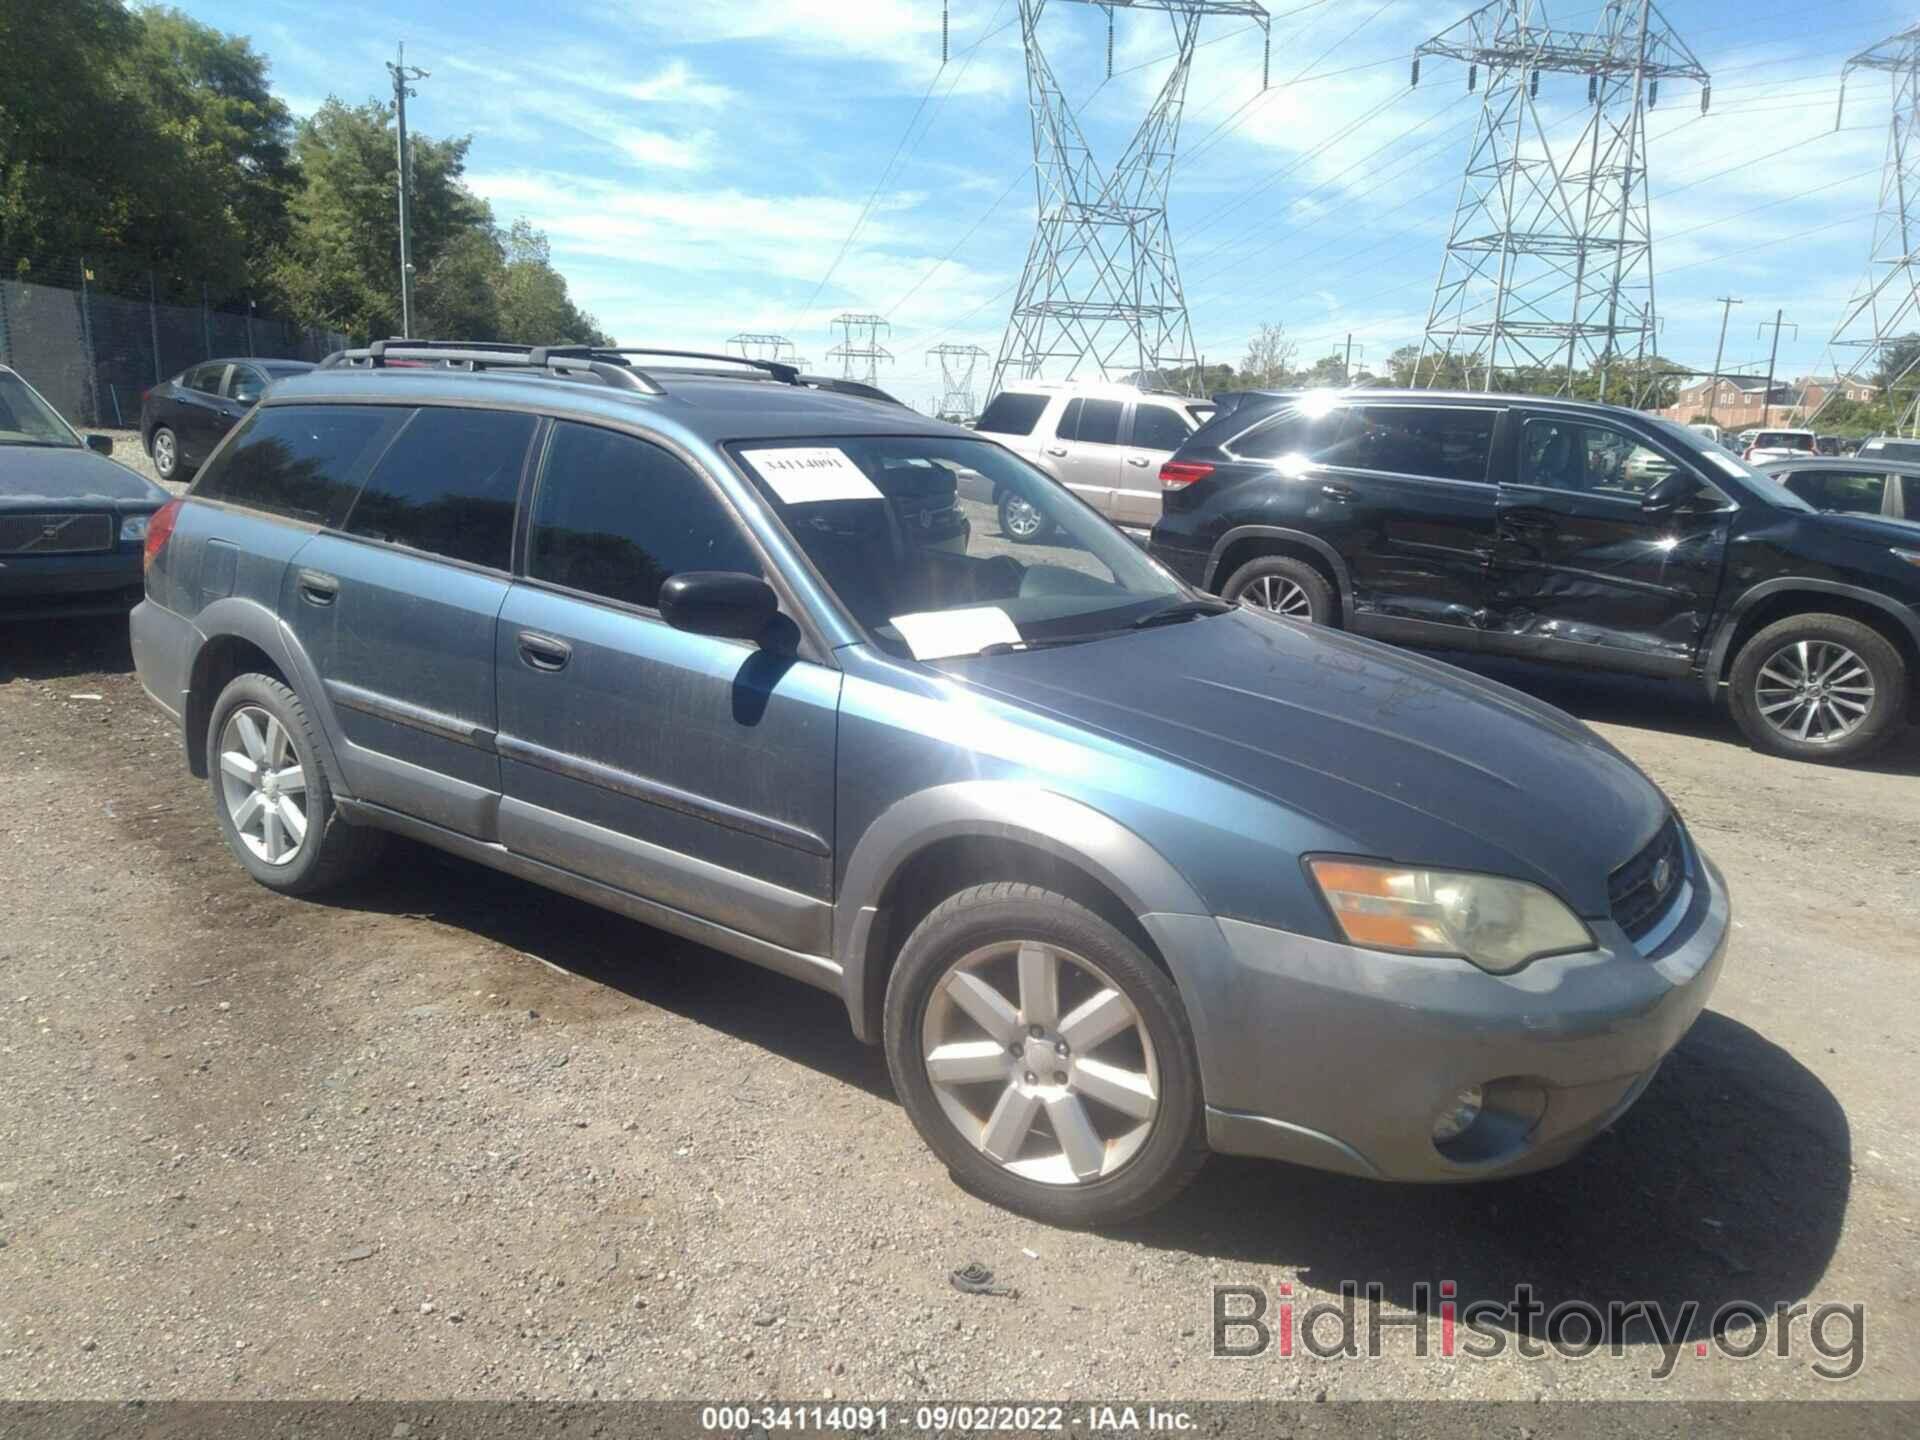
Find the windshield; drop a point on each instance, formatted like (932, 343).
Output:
(942, 547)
(1767, 486)
(26, 419)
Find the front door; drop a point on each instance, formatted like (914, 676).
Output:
(693, 771)
(1583, 569)
(1089, 434)
(1409, 484)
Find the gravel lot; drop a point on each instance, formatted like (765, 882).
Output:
(455, 1136)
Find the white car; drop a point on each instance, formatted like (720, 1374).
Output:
(1106, 442)
(1778, 445)
(1710, 430)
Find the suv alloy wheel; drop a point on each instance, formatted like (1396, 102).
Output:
(1285, 586)
(1818, 687)
(1044, 1058)
(1020, 522)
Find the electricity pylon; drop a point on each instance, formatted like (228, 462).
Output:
(1101, 291)
(1548, 265)
(957, 366)
(1885, 308)
(749, 345)
(860, 351)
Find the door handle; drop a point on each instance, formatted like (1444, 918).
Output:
(1337, 492)
(543, 652)
(317, 587)
(1056, 450)
(1141, 461)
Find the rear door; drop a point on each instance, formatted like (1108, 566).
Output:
(694, 771)
(1157, 429)
(1086, 450)
(1582, 570)
(401, 598)
(1411, 482)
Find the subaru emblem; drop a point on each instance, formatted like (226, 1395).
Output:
(1662, 875)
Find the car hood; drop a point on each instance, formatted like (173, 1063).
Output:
(34, 476)
(1406, 758)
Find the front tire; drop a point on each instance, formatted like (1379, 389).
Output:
(166, 454)
(1044, 1057)
(1021, 520)
(270, 796)
(1824, 688)
(1284, 586)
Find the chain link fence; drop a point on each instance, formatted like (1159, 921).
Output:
(93, 354)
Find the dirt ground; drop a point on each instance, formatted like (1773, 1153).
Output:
(451, 1135)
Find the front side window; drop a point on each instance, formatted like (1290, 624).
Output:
(448, 485)
(305, 462)
(1158, 427)
(1585, 459)
(26, 419)
(204, 378)
(1099, 423)
(1068, 425)
(1435, 442)
(1012, 413)
(906, 532)
(617, 517)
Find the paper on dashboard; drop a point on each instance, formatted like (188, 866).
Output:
(937, 634)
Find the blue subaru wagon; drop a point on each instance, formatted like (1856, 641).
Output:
(1119, 874)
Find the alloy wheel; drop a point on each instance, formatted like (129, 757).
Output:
(1041, 1062)
(1022, 518)
(1814, 691)
(163, 453)
(1278, 594)
(263, 784)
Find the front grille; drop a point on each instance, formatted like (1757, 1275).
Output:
(55, 534)
(1637, 900)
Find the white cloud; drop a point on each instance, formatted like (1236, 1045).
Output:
(654, 150)
(677, 83)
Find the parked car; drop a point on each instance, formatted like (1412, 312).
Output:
(182, 419)
(1778, 445)
(1711, 431)
(1117, 873)
(1105, 442)
(1889, 447)
(72, 522)
(1829, 445)
(1889, 488)
(1514, 525)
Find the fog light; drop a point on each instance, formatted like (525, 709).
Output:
(1455, 1120)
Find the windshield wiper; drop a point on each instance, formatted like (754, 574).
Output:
(1181, 610)
(1047, 642)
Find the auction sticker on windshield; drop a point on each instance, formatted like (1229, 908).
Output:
(934, 634)
(800, 476)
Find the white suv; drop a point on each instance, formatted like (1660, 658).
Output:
(1106, 442)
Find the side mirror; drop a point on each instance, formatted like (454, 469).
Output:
(727, 603)
(1669, 491)
(100, 444)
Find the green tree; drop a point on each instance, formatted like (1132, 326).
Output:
(535, 308)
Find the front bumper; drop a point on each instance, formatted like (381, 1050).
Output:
(96, 583)
(1342, 1058)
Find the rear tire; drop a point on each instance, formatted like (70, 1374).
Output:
(165, 449)
(1284, 586)
(1097, 1117)
(1824, 688)
(271, 797)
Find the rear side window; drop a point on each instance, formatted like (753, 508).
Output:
(1010, 413)
(1444, 443)
(1099, 423)
(305, 462)
(1158, 427)
(1858, 494)
(447, 485)
(1314, 438)
(617, 517)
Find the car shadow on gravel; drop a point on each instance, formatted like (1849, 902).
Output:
(765, 1009)
(1728, 1182)
(1672, 707)
(57, 649)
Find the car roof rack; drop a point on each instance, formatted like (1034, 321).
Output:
(607, 363)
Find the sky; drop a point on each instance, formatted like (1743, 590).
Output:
(711, 167)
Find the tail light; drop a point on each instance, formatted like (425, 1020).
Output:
(1178, 474)
(159, 529)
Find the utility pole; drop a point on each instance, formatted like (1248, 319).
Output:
(402, 74)
(1727, 302)
(1346, 368)
(1766, 398)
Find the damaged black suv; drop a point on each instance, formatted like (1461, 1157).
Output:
(1555, 530)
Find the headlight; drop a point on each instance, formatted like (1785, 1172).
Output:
(133, 528)
(1497, 924)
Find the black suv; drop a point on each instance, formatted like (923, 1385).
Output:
(1555, 530)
